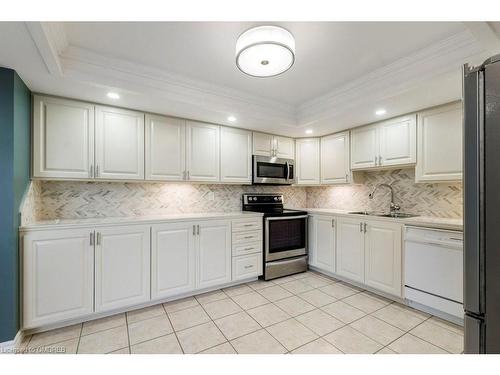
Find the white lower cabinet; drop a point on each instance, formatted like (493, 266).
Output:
(350, 249)
(214, 253)
(122, 266)
(368, 252)
(58, 276)
(173, 259)
(383, 265)
(322, 242)
(247, 266)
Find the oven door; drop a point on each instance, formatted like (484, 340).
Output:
(273, 170)
(285, 237)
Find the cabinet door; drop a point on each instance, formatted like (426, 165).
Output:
(58, 276)
(173, 261)
(122, 266)
(63, 138)
(214, 253)
(307, 161)
(202, 151)
(383, 242)
(350, 249)
(323, 242)
(284, 147)
(398, 141)
(165, 148)
(119, 151)
(439, 144)
(335, 159)
(263, 144)
(236, 155)
(364, 147)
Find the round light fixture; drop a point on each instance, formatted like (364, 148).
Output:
(231, 119)
(113, 95)
(380, 112)
(309, 131)
(265, 51)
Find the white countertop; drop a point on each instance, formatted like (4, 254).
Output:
(420, 221)
(59, 223)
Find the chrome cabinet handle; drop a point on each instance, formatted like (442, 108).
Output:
(379, 160)
(365, 228)
(247, 267)
(198, 230)
(333, 223)
(97, 170)
(361, 227)
(194, 230)
(91, 238)
(91, 170)
(187, 176)
(248, 248)
(98, 241)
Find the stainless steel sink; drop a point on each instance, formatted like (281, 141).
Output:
(401, 215)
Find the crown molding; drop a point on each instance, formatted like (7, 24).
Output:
(394, 79)
(485, 35)
(50, 40)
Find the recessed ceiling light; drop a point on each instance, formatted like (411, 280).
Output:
(309, 131)
(265, 51)
(113, 95)
(231, 119)
(380, 112)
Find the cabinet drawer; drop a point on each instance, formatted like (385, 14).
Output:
(246, 225)
(247, 266)
(247, 248)
(246, 237)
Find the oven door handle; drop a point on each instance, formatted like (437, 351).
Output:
(286, 217)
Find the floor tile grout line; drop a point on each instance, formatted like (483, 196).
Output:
(128, 335)
(216, 326)
(427, 341)
(281, 343)
(174, 332)
(79, 338)
(406, 332)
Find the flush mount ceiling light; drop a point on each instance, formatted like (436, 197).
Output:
(265, 51)
(113, 95)
(231, 119)
(380, 112)
(309, 131)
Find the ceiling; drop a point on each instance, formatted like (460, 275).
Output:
(343, 70)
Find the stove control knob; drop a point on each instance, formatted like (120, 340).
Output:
(275, 198)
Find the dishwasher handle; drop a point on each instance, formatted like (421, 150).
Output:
(451, 242)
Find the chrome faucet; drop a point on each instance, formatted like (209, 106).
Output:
(394, 208)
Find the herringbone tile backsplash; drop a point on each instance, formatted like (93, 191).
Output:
(67, 199)
(439, 200)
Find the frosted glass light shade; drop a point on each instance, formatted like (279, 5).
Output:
(265, 51)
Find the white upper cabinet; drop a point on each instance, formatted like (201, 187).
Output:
(214, 253)
(236, 155)
(307, 161)
(119, 146)
(440, 144)
(385, 144)
(364, 147)
(322, 242)
(383, 265)
(202, 151)
(273, 146)
(335, 168)
(398, 141)
(173, 259)
(165, 148)
(122, 266)
(284, 147)
(63, 138)
(58, 276)
(263, 144)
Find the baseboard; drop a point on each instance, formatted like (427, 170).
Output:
(9, 346)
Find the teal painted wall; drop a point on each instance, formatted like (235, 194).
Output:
(15, 115)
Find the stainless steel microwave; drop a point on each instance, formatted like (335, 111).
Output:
(273, 171)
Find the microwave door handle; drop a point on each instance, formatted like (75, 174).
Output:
(287, 171)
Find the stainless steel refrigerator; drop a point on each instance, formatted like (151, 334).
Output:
(481, 92)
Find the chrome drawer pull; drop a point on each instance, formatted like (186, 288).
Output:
(247, 267)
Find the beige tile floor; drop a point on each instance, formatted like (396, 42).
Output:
(305, 313)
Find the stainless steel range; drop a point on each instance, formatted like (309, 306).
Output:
(285, 235)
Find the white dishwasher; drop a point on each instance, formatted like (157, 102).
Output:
(434, 269)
